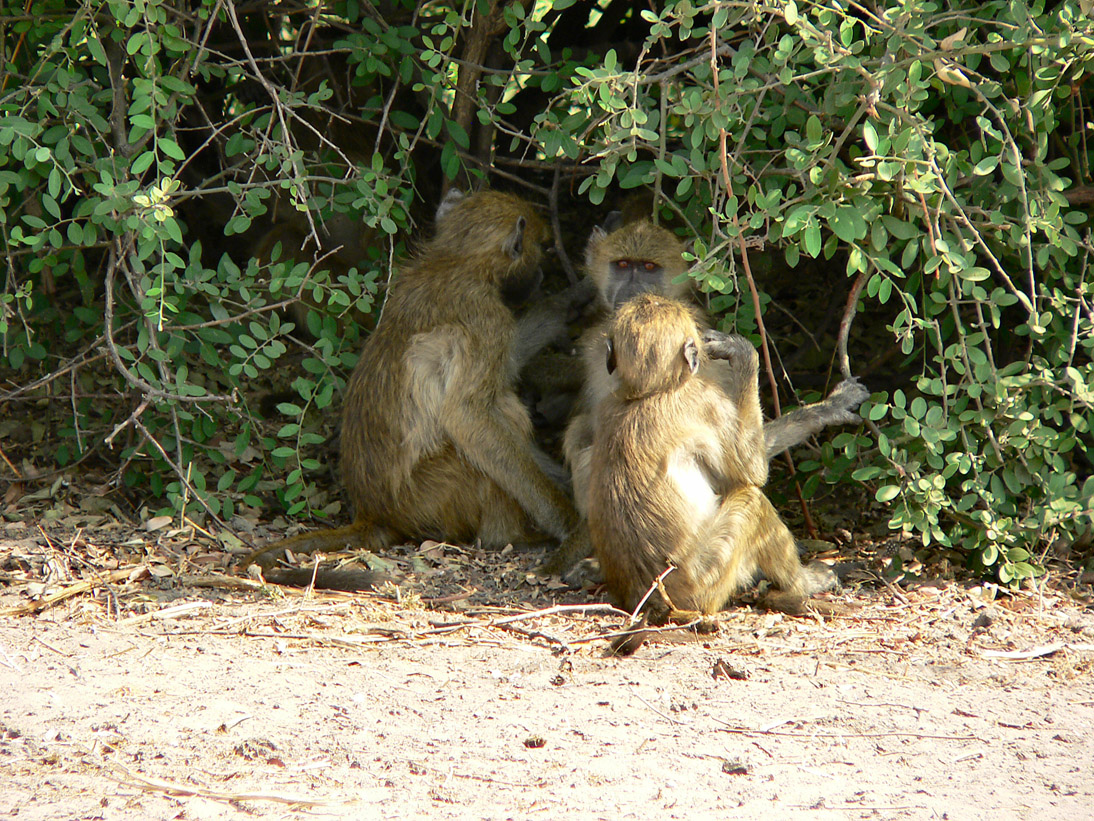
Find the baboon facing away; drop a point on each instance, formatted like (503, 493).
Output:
(435, 442)
(640, 258)
(676, 470)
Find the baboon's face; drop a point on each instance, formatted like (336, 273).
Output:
(639, 258)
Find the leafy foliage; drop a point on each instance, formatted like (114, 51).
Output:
(924, 148)
(937, 153)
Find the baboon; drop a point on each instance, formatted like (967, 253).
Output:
(435, 442)
(677, 466)
(640, 258)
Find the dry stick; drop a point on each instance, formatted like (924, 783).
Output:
(503, 623)
(533, 634)
(634, 625)
(750, 731)
(14, 469)
(649, 631)
(556, 228)
(70, 591)
(118, 428)
(148, 783)
(655, 586)
(57, 374)
(219, 580)
(810, 527)
(166, 614)
(669, 719)
(558, 608)
(179, 472)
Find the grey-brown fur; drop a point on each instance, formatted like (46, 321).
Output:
(435, 442)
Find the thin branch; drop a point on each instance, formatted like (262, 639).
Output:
(845, 324)
(723, 154)
(108, 334)
(180, 473)
(556, 228)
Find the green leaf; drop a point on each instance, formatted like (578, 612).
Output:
(811, 238)
(142, 163)
(814, 132)
(848, 224)
(869, 135)
(457, 133)
(887, 493)
(986, 166)
(171, 148)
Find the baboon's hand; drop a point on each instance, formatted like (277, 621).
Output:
(572, 303)
(732, 347)
(819, 578)
(576, 547)
(845, 399)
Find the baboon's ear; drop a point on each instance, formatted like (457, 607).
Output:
(596, 236)
(514, 243)
(451, 199)
(611, 357)
(691, 355)
(612, 222)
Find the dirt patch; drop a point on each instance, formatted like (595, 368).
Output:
(171, 693)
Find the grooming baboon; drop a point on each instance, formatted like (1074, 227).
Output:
(643, 258)
(677, 466)
(435, 442)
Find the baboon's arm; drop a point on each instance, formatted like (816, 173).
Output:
(488, 443)
(798, 425)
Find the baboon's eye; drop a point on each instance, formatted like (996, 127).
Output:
(650, 266)
(623, 264)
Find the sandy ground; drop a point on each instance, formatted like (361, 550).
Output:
(157, 698)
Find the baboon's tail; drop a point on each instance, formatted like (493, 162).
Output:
(361, 535)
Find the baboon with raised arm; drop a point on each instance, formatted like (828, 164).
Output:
(641, 257)
(677, 467)
(435, 441)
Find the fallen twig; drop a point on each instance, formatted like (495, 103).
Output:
(121, 574)
(649, 631)
(558, 608)
(167, 613)
(729, 728)
(219, 580)
(1023, 655)
(150, 784)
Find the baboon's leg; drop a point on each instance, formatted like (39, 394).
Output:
(577, 445)
(745, 536)
(503, 521)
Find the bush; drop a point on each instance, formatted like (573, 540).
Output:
(935, 153)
